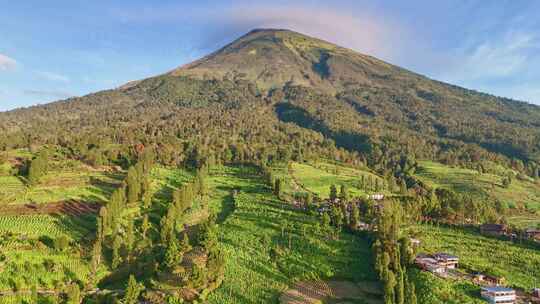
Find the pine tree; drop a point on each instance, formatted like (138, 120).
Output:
(38, 167)
(355, 215)
(172, 257)
(411, 293)
(277, 187)
(403, 187)
(133, 290)
(344, 193)
(309, 200)
(145, 226)
(325, 222)
(337, 216)
(389, 288)
(133, 185)
(333, 193)
(147, 199)
(400, 287)
(130, 237)
(116, 259)
(184, 245)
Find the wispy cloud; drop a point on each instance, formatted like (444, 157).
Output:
(7, 63)
(364, 30)
(498, 57)
(52, 76)
(48, 94)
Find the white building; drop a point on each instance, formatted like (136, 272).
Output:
(499, 295)
(376, 197)
(430, 264)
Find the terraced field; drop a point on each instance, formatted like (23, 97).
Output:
(270, 246)
(318, 177)
(486, 187)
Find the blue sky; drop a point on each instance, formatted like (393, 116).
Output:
(50, 50)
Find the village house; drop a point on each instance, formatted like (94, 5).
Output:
(376, 197)
(498, 295)
(428, 263)
(437, 263)
(489, 280)
(493, 229)
(446, 260)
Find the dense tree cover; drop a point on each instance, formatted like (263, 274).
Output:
(161, 249)
(38, 167)
(393, 254)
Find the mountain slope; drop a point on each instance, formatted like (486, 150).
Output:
(277, 89)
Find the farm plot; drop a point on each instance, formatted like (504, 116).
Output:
(481, 186)
(317, 178)
(270, 246)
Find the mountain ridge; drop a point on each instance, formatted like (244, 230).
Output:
(361, 103)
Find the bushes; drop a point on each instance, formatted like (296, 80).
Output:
(61, 243)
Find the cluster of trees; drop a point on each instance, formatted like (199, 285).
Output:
(393, 254)
(114, 230)
(138, 247)
(38, 167)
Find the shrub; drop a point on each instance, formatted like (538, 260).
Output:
(61, 243)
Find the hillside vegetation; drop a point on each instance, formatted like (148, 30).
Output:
(246, 174)
(521, 196)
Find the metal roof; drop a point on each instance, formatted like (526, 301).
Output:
(497, 289)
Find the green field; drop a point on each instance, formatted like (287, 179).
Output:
(59, 186)
(484, 187)
(317, 178)
(260, 264)
(518, 264)
(27, 241)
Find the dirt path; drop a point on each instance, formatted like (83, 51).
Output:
(74, 208)
(315, 292)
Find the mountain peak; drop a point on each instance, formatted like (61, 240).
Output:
(275, 57)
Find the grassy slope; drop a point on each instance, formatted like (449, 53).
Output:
(253, 273)
(318, 177)
(31, 246)
(486, 187)
(520, 265)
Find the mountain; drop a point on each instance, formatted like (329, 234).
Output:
(277, 93)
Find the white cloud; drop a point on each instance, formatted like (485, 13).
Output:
(7, 63)
(52, 76)
(497, 58)
(363, 31)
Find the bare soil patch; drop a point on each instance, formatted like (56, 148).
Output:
(317, 292)
(73, 208)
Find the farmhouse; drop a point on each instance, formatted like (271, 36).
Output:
(493, 229)
(446, 260)
(437, 263)
(376, 197)
(489, 280)
(428, 263)
(499, 295)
